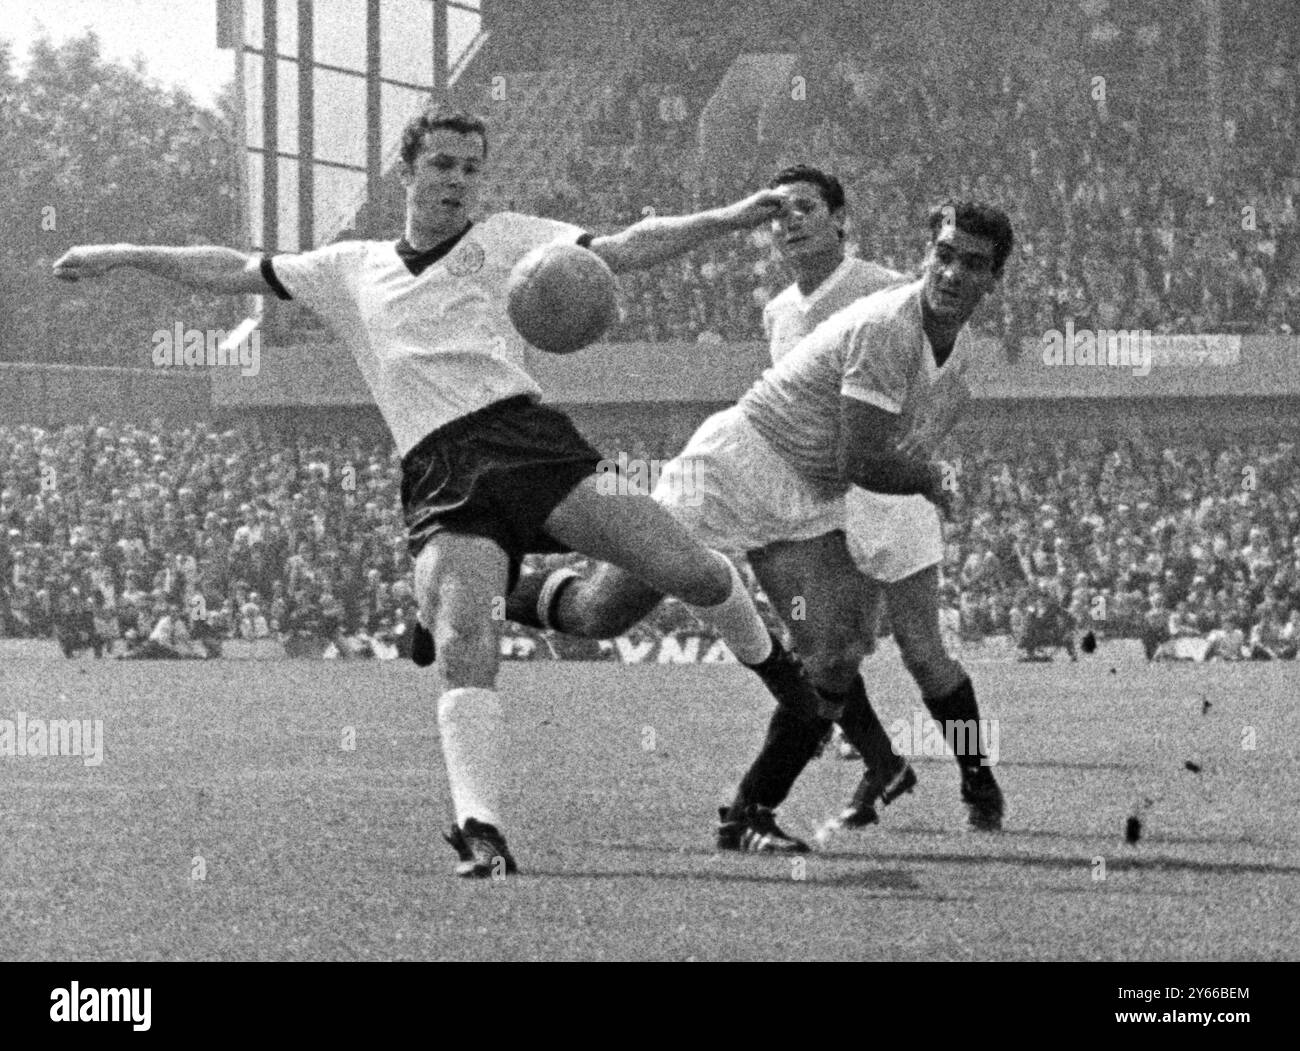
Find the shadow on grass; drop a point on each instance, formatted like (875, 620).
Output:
(1099, 838)
(1119, 858)
(1033, 764)
(1114, 863)
(894, 883)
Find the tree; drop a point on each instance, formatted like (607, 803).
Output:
(93, 151)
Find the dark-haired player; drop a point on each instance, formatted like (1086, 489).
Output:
(488, 474)
(861, 400)
(895, 541)
(809, 237)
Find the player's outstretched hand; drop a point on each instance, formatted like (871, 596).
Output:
(87, 261)
(756, 209)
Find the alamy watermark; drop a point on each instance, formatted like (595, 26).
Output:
(26, 737)
(1116, 348)
(959, 737)
(72, 1003)
(179, 346)
(623, 476)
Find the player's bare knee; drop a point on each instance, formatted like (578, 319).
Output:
(426, 609)
(426, 582)
(467, 659)
(702, 583)
(467, 651)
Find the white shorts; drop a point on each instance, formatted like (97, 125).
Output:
(892, 537)
(734, 492)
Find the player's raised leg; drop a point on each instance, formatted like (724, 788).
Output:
(663, 559)
(456, 578)
(659, 555)
(946, 690)
(603, 605)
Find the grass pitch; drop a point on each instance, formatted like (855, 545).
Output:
(291, 810)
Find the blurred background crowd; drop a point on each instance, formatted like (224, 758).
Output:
(1146, 153)
(1132, 209)
(155, 539)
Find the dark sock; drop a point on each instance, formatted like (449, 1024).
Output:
(959, 706)
(784, 677)
(521, 603)
(792, 742)
(862, 727)
(423, 650)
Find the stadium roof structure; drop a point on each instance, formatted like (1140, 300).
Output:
(323, 121)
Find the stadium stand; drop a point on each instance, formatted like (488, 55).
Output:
(1122, 209)
(249, 533)
(1159, 198)
(1169, 203)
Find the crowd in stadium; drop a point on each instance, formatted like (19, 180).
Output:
(1125, 217)
(164, 542)
(1146, 199)
(111, 531)
(1132, 539)
(157, 541)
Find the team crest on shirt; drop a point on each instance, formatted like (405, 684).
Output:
(467, 259)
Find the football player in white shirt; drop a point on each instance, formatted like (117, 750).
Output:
(862, 400)
(896, 541)
(488, 474)
(809, 237)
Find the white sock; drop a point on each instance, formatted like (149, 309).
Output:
(472, 726)
(737, 620)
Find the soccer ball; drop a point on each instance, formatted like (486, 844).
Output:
(561, 298)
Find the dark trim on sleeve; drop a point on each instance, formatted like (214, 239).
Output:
(269, 276)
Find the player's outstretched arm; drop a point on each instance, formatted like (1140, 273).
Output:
(207, 268)
(869, 455)
(658, 238)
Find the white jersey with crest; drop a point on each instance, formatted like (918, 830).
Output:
(790, 315)
(874, 350)
(435, 345)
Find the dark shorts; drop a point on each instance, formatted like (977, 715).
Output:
(496, 473)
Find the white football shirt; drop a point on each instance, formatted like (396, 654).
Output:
(874, 350)
(791, 315)
(435, 345)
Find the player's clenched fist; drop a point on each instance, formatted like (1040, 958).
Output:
(88, 261)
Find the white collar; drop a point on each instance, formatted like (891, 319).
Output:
(821, 291)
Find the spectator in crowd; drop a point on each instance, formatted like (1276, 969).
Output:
(1131, 536)
(1064, 164)
(169, 638)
